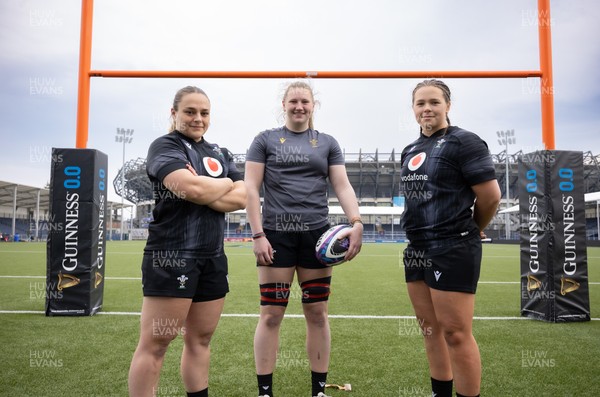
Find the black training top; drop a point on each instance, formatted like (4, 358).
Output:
(179, 226)
(436, 178)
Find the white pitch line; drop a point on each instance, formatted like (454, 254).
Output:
(139, 278)
(123, 278)
(244, 315)
(498, 282)
(107, 278)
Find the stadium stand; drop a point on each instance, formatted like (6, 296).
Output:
(25, 213)
(374, 176)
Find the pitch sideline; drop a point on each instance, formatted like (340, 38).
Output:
(243, 315)
(139, 278)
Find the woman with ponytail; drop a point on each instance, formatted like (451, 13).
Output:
(446, 172)
(294, 163)
(184, 267)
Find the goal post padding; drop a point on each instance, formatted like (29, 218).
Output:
(554, 274)
(75, 261)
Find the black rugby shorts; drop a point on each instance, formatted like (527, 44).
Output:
(201, 279)
(453, 266)
(295, 248)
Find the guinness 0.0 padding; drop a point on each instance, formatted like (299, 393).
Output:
(76, 244)
(554, 276)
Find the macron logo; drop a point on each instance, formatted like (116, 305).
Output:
(437, 274)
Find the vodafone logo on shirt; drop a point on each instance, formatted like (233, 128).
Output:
(417, 161)
(212, 166)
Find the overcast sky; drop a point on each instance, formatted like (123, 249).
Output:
(39, 49)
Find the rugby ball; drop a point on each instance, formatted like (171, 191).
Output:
(329, 250)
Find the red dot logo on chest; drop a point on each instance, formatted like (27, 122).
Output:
(417, 161)
(212, 166)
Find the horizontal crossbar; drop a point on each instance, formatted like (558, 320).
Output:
(359, 74)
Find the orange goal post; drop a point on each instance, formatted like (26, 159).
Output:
(544, 74)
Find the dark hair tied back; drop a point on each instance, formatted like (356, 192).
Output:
(434, 83)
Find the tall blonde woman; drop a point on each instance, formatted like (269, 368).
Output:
(293, 163)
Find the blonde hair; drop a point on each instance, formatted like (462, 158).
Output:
(304, 86)
(179, 96)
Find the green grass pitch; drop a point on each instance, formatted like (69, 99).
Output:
(381, 355)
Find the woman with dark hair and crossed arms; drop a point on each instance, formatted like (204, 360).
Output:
(184, 268)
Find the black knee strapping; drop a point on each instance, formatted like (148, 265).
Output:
(316, 290)
(277, 294)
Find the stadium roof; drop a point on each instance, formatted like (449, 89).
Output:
(27, 197)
